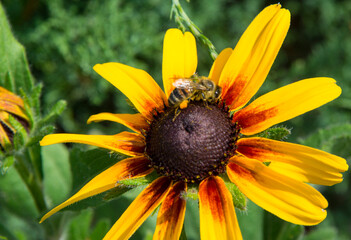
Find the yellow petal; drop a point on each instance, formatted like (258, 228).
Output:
(219, 64)
(136, 122)
(286, 103)
(217, 214)
(170, 217)
(139, 209)
(179, 57)
(125, 142)
(289, 199)
(125, 169)
(253, 56)
(296, 161)
(136, 84)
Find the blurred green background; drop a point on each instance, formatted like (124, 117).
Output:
(64, 39)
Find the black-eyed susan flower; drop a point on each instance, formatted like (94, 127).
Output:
(10, 105)
(207, 140)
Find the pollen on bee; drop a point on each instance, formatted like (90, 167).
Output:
(184, 104)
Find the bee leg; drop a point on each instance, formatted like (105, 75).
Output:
(208, 107)
(176, 113)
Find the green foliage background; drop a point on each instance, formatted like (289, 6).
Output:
(65, 39)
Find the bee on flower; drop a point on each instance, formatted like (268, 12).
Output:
(210, 142)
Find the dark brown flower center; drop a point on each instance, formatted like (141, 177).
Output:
(193, 143)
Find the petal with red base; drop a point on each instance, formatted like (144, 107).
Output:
(127, 143)
(217, 214)
(285, 103)
(140, 209)
(253, 56)
(296, 161)
(289, 199)
(170, 217)
(126, 169)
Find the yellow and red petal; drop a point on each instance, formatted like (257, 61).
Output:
(289, 199)
(217, 214)
(253, 56)
(285, 103)
(136, 84)
(296, 161)
(179, 57)
(135, 122)
(140, 209)
(126, 169)
(127, 143)
(219, 64)
(170, 217)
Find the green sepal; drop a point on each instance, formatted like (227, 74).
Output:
(6, 164)
(139, 181)
(54, 112)
(20, 136)
(275, 133)
(192, 193)
(239, 199)
(43, 127)
(116, 192)
(32, 101)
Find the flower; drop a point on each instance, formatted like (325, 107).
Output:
(205, 140)
(11, 105)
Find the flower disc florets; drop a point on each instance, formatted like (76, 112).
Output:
(193, 143)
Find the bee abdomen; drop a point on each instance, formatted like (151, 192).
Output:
(177, 96)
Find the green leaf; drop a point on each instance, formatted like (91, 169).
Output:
(84, 166)
(87, 164)
(15, 196)
(327, 139)
(100, 229)
(325, 233)
(80, 225)
(14, 70)
(57, 174)
(275, 228)
(251, 221)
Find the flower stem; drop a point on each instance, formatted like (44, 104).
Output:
(183, 21)
(32, 180)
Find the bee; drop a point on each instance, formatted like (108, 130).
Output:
(194, 88)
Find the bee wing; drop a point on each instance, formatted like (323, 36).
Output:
(188, 84)
(183, 83)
